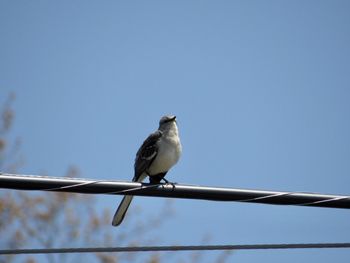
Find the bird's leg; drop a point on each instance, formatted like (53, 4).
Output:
(165, 180)
(157, 178)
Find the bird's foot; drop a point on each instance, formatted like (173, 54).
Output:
(168, 182)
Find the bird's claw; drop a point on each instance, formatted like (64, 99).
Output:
(171, 183)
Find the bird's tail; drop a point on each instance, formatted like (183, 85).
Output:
(121, 211)
(124, 204)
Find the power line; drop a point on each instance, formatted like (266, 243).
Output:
(89, 186)
(172, 248)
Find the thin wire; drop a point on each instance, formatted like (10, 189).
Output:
(326, 201)
(264, 197)
(101, 181)
(134, 189)
(70, 186)
(173, 248)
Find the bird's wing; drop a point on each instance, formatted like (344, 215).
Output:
(146, 154)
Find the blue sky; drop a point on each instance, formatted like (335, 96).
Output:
(260, 88)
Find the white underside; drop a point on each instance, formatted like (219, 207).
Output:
(167, 157)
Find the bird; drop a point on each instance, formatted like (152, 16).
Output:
(157, 155)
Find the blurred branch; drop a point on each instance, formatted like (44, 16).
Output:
(69, 219)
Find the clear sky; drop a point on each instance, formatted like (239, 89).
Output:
(261, 90)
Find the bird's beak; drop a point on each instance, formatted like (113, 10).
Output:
(174, 118)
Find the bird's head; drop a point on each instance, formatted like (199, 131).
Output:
(166, 122)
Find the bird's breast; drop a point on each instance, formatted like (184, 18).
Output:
(168, 155)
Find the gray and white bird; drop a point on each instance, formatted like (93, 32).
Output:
(158, 153)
